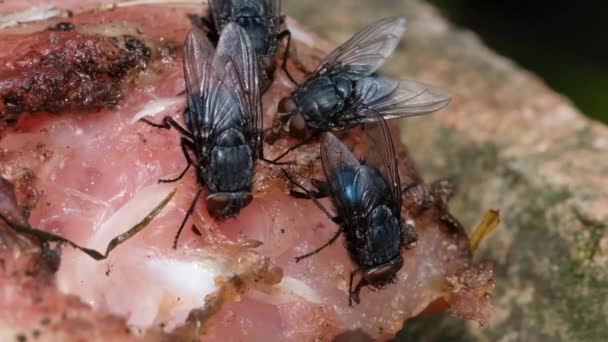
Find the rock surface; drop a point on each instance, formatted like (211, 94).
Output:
(509, 143)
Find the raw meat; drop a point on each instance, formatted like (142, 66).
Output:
(90, 172)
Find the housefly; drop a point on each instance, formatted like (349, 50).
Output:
(344, 91)
(222, 139)
(366, 197)
(261, 19)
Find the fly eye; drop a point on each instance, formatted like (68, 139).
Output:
(217, 204)
(297, 127)
(270, 65)
(287, 105)
(383, 274)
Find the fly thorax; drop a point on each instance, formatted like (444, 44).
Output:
(383, 242)
(230, 138)
(257, 28)
(319, 101)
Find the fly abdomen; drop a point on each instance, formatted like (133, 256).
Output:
(231, 165)
(383, 242)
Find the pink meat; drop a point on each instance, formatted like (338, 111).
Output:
(90, 175)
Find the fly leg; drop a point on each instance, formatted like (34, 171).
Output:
(281, 36)
(322, 191)
(311, 196)
(294, 147)
(188, 214)
(273, 161)
(168, 123)
(336, 219)
(327, 244)
(187, 145)
(353, 295)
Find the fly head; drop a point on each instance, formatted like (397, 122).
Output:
(290, 116)
(224, 205)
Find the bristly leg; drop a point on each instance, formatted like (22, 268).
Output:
(322, 247)
(322, 191)
(274, 161)
(336, 219)
(281, 36)
(295, 147)
(167, 123)
(353, 295)
(188, 214)
(186, 145)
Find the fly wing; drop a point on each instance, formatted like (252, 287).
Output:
(273, 11)
(235, 55)
(392, 99)
(381, 156)
(340, 167)
(199, 75)
(365, 52)
(220, 10)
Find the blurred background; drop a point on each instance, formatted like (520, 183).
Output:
(564, 42)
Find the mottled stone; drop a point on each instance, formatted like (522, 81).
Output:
(509, 143)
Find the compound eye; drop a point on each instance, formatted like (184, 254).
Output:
(383, 274)
(287, 105)
(297, 127)
(217, 204)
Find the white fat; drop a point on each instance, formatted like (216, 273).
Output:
(31, 14)
(144, 201)
(288, 291)
(111, 6)
(155, 107)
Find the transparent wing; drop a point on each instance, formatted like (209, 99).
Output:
(198, 72)
(381, 156)
(340, 167)
(273, 10)
(213, 105)
(220, 10)
(392, 99)
(235, 55)
(365, 52)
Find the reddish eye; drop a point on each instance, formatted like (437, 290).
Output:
(383, 274)
(297, 127)
(287, 105)
(217, 204)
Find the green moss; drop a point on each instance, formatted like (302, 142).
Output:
(442, 327)
(549, 287)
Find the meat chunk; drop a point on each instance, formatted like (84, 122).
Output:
(95, 175)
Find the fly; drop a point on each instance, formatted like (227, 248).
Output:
(223, 137)
(366, 197)
(261, 19)
(344, 92)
